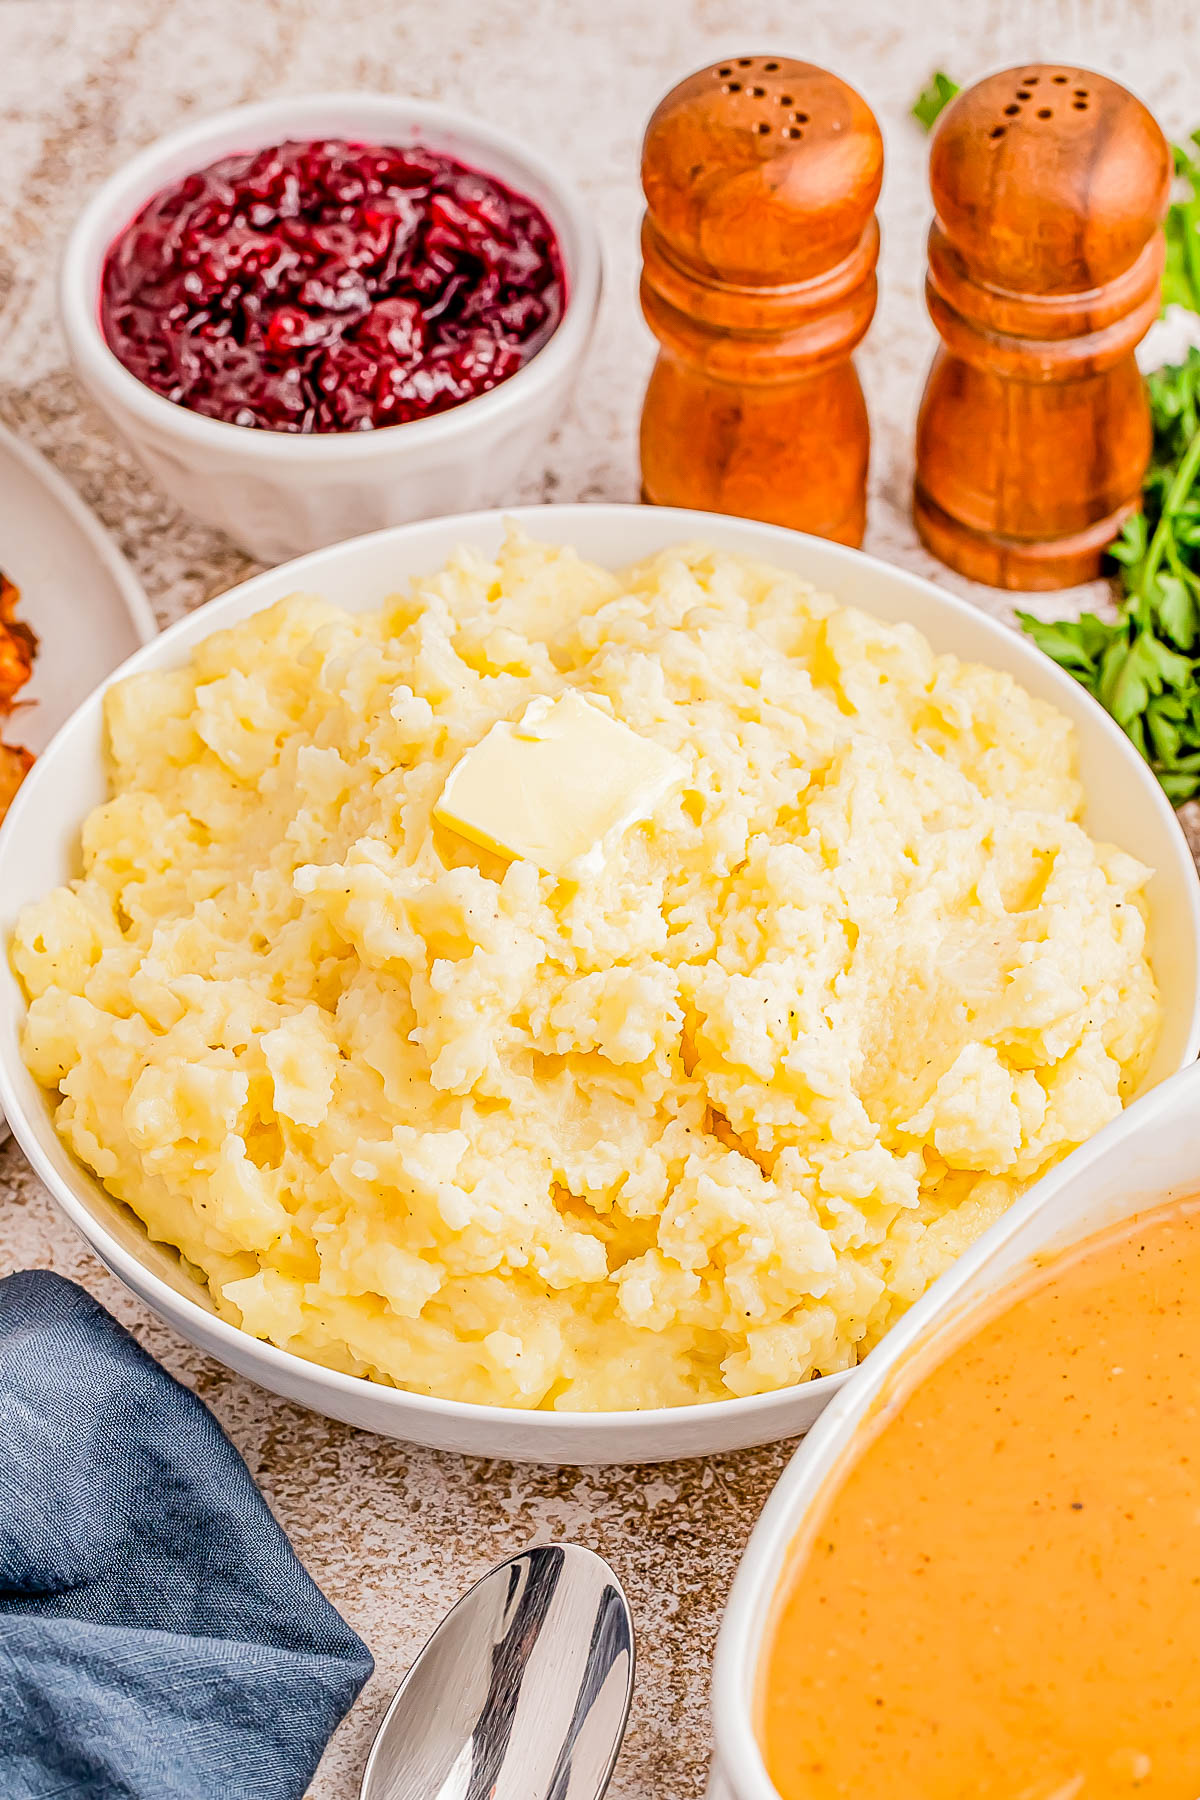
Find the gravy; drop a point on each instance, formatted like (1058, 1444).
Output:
(1001, 1596)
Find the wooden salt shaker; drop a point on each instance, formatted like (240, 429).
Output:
(759, 247)
(1050, 185)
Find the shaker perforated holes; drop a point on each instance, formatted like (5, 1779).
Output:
(764, 117)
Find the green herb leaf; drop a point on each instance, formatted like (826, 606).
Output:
(1177, 611)
(1180, 788)
(1132, 544)
(1181, 279)
(1164, 732)
(934, 97)
(1077, 645)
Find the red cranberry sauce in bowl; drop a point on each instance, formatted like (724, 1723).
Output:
(331, 287)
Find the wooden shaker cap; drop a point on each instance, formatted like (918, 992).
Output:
(761, 171)
(1048, 179)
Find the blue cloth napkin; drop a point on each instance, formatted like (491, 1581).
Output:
(158, 1638)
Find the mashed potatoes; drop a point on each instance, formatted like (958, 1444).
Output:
(702, 1123)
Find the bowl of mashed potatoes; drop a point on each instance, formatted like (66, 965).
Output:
(561, 986)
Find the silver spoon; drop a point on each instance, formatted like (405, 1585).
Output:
(522, 1692)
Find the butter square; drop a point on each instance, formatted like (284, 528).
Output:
(559, 787)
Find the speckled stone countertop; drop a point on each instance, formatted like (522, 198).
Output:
(394, 1534)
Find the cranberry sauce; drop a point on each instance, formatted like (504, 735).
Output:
(331, 287)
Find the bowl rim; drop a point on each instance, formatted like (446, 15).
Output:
(680, 525)
(759, 1577)
(255, 125)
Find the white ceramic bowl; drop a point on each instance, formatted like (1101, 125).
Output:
(40, 849)
(1147, 1155)
(280, 494)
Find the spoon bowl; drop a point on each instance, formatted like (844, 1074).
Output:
(522, 1692)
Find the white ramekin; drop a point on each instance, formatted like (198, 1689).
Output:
(1148, 1155)
(41, 849)
(277, 494)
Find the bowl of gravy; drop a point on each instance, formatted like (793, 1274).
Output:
(980, 1573)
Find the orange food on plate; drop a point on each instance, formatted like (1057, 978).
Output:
(18, 648)
(15, 764)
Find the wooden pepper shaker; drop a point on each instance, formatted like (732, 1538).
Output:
(1050, 185)
(759, 247)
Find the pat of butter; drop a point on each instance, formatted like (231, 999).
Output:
(559, 787)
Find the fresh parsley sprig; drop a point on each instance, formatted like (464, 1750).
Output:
(1144, 666)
